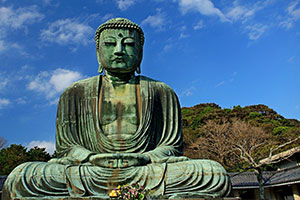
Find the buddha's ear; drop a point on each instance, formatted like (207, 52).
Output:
(138, 68)
(100, 69)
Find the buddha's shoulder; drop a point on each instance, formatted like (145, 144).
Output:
(155, 83)
(84, 84)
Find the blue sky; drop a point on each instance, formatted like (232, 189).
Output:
(230, 52)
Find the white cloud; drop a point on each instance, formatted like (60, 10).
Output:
(204, 7)
(18, 18)
(15, 19)
(293, 15)
(124, 4)
(199, 25)
(48, 145)
(62, 78)
(4, 102)
(256, 31)
(155, 21)
(68, 31)
(52, 83)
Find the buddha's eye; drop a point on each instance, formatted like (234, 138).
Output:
(109, 43)
(129, 42)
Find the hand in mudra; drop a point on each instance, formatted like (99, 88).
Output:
(119, 160)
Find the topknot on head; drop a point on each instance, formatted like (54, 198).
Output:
(119, 23)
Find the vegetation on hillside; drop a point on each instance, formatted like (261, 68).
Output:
(231, 136)
(14, 155)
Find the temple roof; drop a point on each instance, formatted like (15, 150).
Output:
(271, 178)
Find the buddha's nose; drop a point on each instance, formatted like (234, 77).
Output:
(119, 49)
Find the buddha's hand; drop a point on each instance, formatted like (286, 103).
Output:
(64, 161)
(119, 160)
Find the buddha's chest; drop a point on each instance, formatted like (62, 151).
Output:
(118, 109)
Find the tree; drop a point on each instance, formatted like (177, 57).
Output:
(15, 155)
(11, 157)
(38, 154)
(238, 143)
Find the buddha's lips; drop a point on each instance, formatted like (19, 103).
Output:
(118, 59)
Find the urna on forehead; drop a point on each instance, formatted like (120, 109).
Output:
(119, 23)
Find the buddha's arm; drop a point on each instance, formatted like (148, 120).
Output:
(75, 135)
(167, 118)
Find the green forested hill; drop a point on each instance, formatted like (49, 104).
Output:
(257, 120)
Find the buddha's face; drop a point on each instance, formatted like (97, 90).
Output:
(119, 50)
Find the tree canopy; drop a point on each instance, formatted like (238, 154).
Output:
(228, 135)
(15, 155)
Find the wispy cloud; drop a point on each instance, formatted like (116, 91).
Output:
(107, 16)
(68, 31)
(293, 12)
(255, 31)
(244, 13)
(124, 4)
(220, 83)
(6, 46)
(15, 19)
(18, 18)
(199, 25)
(21, 100)
(48, 145)
(3, 82)
(183, 35)
(291, 59)
(230, 80)
(204, 7)
(188, 92)
(52, 83)
(4, 102)
(2, 46)
(239, 12)
(155, 21)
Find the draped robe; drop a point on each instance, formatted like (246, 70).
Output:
(79, 135)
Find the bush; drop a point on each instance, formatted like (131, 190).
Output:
(280, 130)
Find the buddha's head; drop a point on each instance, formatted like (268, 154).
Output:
(119, 44)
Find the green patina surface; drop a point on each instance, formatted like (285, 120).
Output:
(118, 129)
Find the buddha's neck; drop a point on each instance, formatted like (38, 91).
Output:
(119, 78)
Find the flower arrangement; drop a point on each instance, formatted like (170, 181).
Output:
(134, 191)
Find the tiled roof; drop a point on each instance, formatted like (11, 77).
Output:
(285, 175)
(271, 178)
